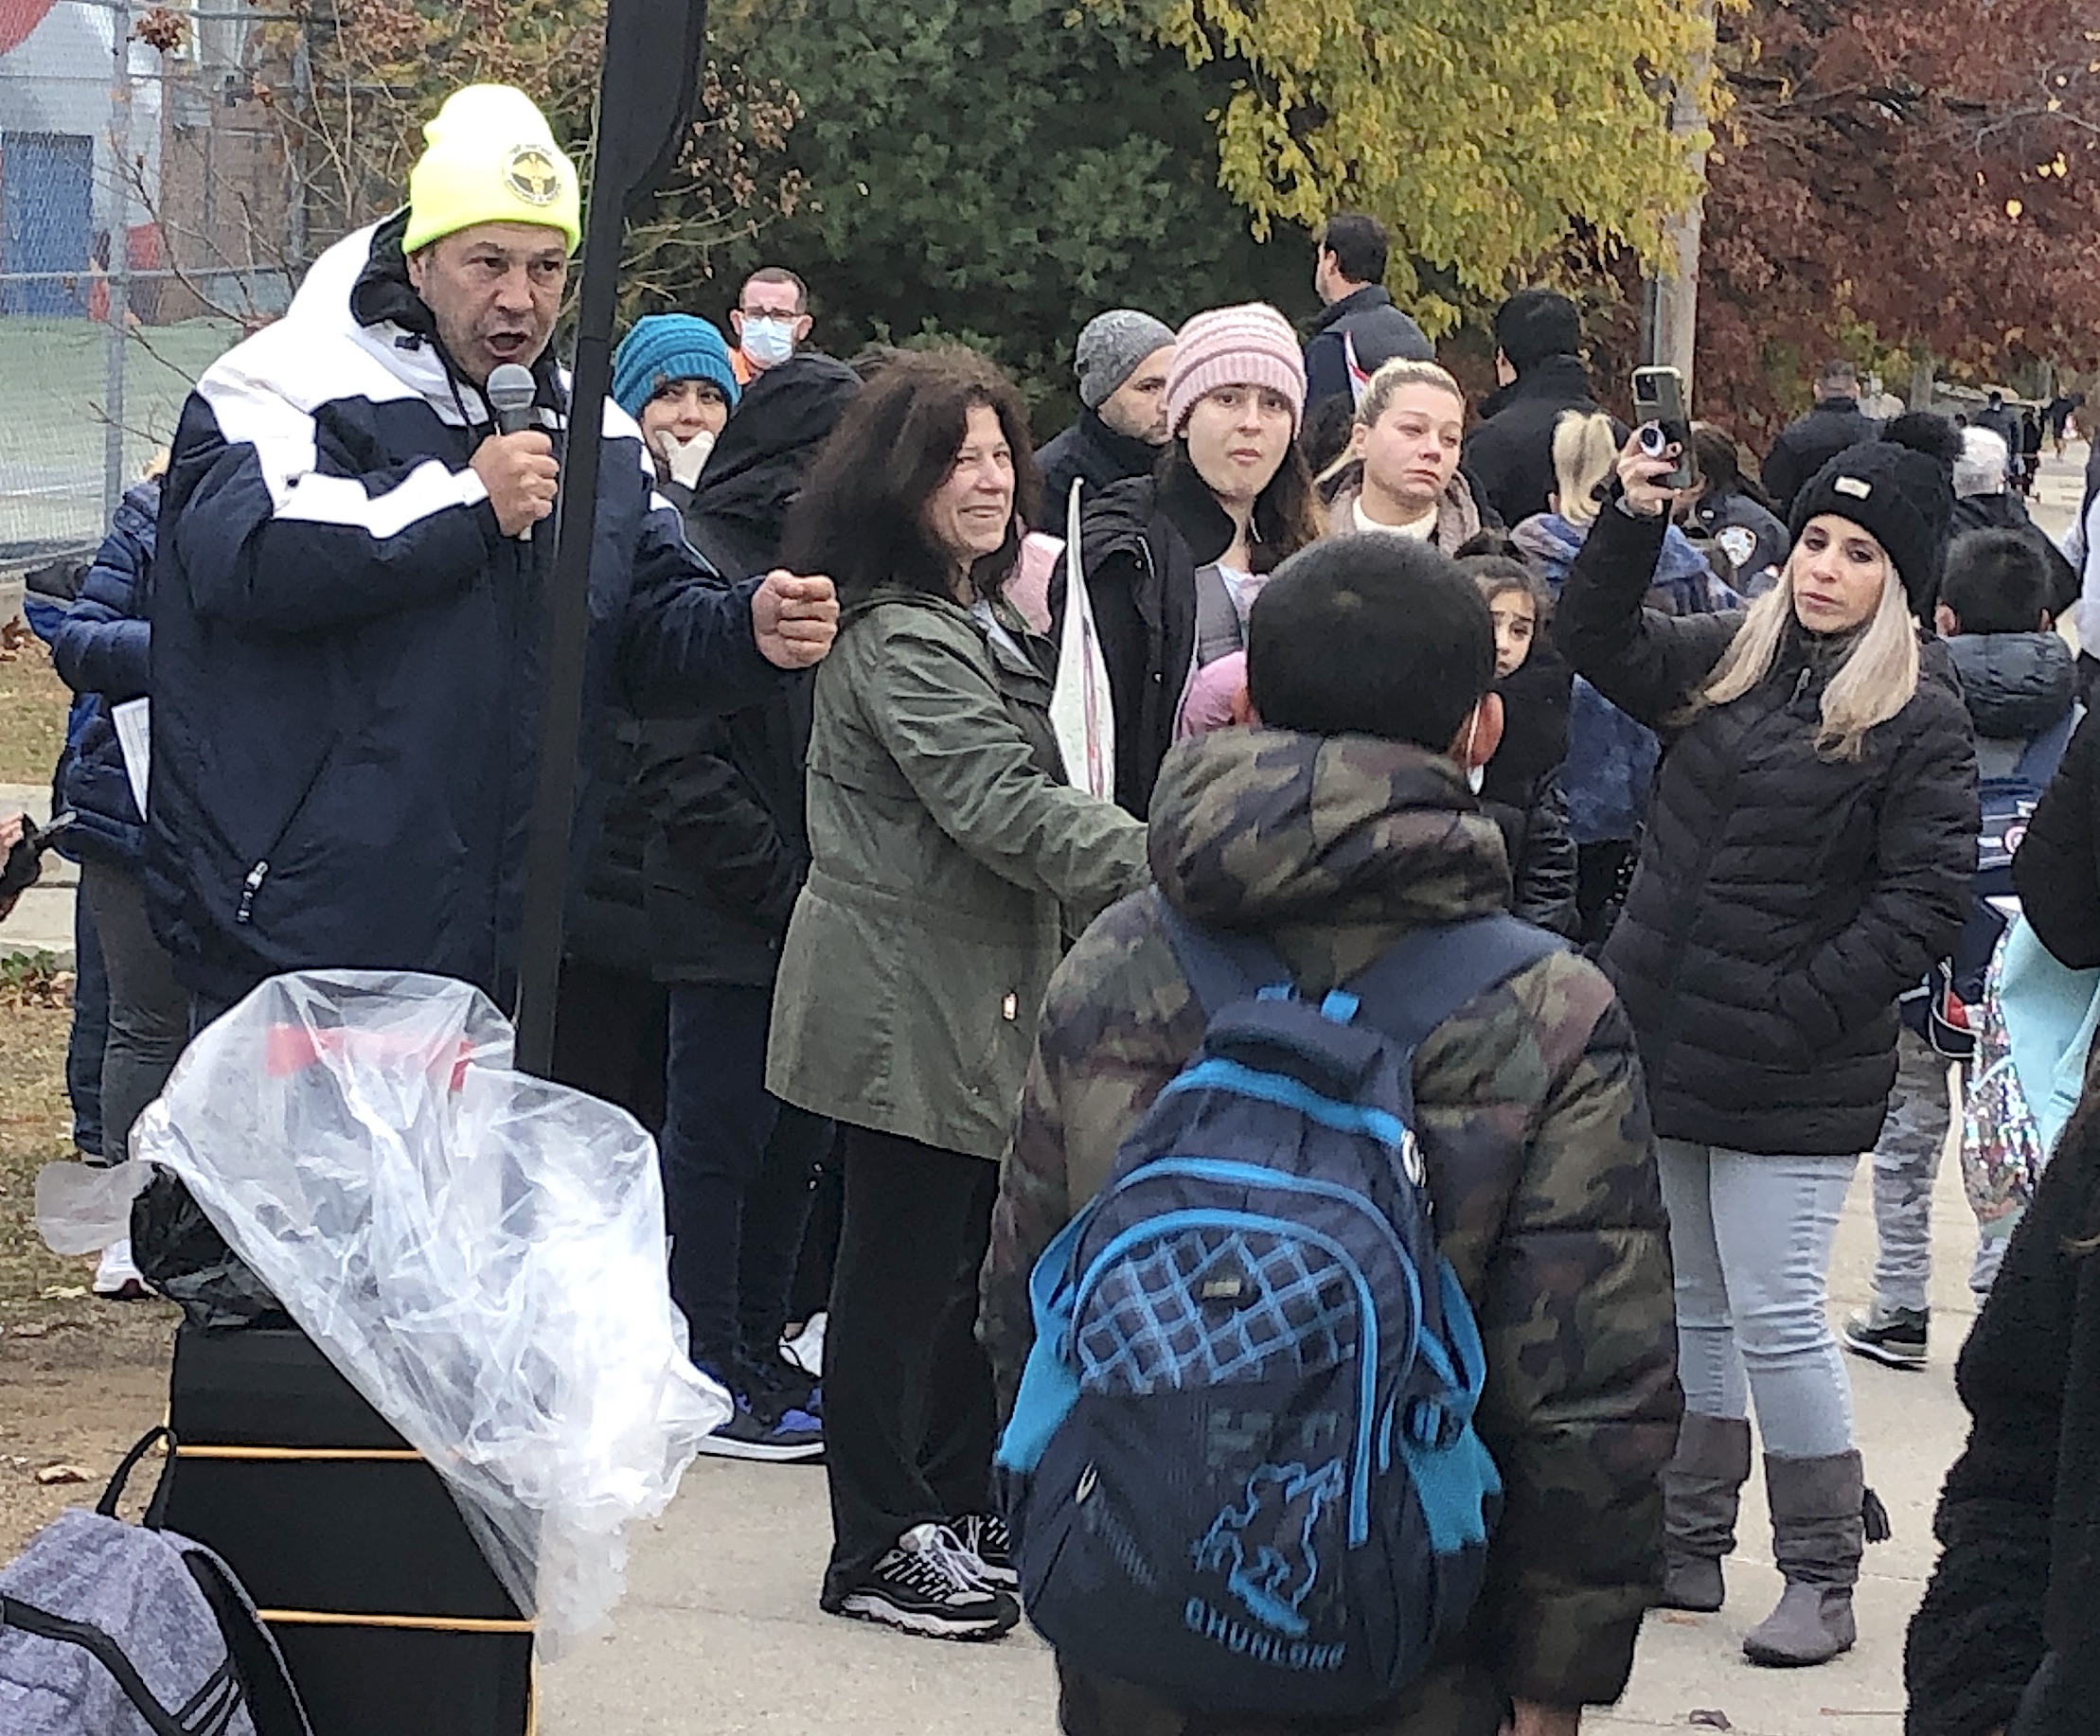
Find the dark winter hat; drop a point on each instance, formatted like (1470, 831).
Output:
(1111, 347)
(1900, 491)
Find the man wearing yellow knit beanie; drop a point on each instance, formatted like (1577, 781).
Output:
(350, 603)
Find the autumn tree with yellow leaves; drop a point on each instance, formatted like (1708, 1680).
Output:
(1484, 133)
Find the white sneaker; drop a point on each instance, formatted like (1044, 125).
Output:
(805, 1349)
(117, 1279)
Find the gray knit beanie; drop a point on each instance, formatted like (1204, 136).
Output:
(1110, 347)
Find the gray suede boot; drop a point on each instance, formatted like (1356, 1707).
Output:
(1700, 1490)
(1822, 1517)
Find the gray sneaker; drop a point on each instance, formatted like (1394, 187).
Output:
(1892, 1336)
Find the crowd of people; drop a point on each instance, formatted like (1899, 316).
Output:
(894, 981)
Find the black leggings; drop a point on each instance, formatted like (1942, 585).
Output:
(907, 1392)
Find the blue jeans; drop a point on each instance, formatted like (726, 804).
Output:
(738, 1165)
(1751, 1236)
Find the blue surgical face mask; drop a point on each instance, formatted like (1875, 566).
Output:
(768, 341)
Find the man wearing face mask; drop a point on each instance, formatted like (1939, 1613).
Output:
(771, 321)
(350, 603)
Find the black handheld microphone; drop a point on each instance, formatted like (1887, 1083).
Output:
(510, 392)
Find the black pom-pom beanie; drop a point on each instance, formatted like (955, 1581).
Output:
(1900, 491)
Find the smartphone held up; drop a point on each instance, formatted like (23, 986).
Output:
(1664, 420)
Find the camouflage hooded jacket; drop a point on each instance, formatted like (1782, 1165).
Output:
(1535, 1131)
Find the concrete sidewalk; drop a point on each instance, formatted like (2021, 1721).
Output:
(721, 1632)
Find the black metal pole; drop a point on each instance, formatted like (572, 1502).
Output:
(645, 88)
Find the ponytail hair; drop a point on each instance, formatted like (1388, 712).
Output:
(1585, 449)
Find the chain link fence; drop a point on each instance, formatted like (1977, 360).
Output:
(149, 214)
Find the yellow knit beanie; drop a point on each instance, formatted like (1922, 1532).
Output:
(492, 159)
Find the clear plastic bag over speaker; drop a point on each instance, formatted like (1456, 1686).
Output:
(479, 1252)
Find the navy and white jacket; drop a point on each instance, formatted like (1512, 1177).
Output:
(101, 651)
(347, 651)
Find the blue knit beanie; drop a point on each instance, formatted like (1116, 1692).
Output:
(667, 346)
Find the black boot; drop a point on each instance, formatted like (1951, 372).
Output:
(1700, 1492)
(1822, 1517)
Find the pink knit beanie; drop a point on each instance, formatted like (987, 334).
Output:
(1248, 345)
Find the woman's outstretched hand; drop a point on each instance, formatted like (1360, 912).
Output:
(1640, 477)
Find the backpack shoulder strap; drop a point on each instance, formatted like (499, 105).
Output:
(1220, 967)
(1420, 981)
(274, 1704)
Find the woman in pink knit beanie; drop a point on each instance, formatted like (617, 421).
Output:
(1174, 560)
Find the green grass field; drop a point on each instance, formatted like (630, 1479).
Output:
(52, 437)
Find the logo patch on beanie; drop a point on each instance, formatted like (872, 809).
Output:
(531, 173)
(1854, 486)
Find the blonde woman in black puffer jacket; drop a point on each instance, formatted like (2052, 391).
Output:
(1809, 856)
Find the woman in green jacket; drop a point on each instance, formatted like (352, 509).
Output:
(949, 859)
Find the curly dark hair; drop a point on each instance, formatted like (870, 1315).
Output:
(860, 516)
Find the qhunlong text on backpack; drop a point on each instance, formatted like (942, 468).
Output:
(1243, 1469)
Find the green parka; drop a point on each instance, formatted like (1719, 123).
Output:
(947, 855)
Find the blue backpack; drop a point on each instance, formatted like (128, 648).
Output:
(1946, 1008)
(1243, 1468)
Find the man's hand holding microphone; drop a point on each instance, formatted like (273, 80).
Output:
(793, 618)
(516, 463)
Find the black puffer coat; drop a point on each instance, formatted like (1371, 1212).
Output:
(1783, 901)
(2015, 686)
(1092, 452)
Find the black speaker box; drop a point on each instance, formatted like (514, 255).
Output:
(389, 1618)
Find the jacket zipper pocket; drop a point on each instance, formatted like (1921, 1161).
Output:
(252, 882)
(249, 887)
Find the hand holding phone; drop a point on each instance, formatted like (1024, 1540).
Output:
(1659, 408)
